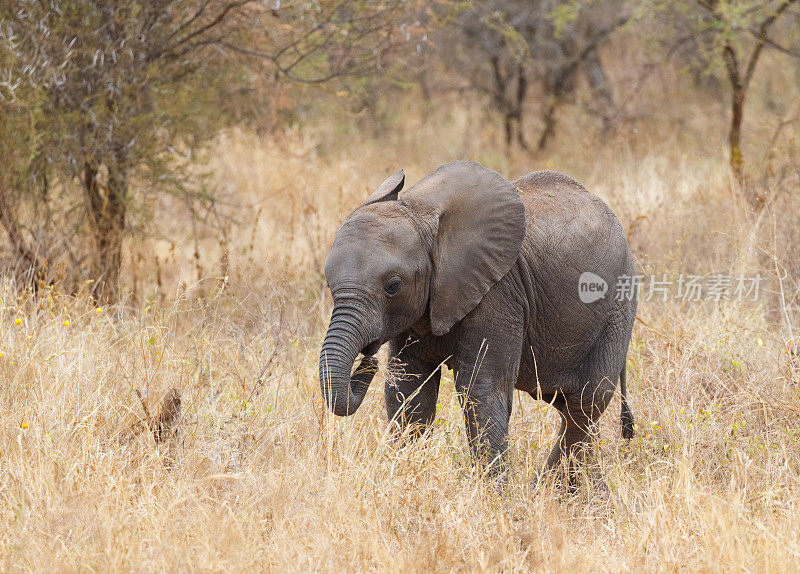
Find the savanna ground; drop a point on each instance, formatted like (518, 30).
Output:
(260, 477)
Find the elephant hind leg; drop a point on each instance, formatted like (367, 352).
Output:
(579, 412)
(577, 422)
(584, 395)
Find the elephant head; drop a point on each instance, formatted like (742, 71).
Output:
(423, 260)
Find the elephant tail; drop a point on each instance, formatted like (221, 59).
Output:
(626, 416)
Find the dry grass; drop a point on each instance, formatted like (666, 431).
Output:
(262, 478)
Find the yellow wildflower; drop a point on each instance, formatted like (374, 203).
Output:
(18, 321)
(99, 310)
(23, 425)
(65, 322)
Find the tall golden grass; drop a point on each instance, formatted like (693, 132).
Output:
(261, 477)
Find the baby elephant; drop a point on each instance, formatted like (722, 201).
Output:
(527, 285)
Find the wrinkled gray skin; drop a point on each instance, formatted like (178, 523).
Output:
(481, 274)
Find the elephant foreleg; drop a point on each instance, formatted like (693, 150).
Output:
(485, 380)
(411, 390)
(486, 417)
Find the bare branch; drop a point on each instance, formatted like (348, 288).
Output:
(772, 44)
(761, 38)
(223, 14)
(190, 21)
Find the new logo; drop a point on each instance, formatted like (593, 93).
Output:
(591, 287)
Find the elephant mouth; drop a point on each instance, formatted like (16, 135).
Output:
(371, 349)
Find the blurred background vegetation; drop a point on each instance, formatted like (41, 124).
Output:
(114, 111)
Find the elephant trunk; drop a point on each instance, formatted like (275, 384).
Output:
(342, 391)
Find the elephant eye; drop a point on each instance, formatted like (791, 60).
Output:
(392, 286)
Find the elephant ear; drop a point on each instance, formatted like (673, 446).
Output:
(388, 190)
(479, 224)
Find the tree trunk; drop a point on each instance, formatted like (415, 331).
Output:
(601, 90)
(549, 129)
(522, 88)
(735, 134)
(107, 204)
(34, 263)
(499, 96)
